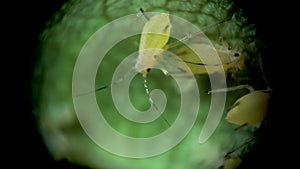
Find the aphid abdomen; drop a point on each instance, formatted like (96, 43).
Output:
(250, 109)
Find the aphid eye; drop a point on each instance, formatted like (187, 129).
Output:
(236, 54)
(148, 70)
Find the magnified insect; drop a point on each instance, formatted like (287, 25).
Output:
(159, 27)
(229, 58)
(250, 109)
(153, 42)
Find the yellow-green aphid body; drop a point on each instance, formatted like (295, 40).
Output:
(250, 109)
(155, 36)
(229, 58)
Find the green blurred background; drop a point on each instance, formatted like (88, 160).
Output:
(72, 48)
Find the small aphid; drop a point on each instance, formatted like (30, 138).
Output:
(155, 36)
(229, 58)
(250, 109)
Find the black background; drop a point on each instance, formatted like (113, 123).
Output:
(23, 147)
(25, 20)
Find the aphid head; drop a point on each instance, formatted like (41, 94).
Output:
(236, 59)
(234, 55)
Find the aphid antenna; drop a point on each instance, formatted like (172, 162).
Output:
(96, 90)
(151, 101)
(189, 35)
(203, 64)
(229, 89)
(203, 30)
(269, 89)
(144, 14)
(108, 86)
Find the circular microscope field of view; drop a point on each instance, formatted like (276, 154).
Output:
(150, 85)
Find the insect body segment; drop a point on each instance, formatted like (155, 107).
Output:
(155, 36)
(249, 109)
(229, 58)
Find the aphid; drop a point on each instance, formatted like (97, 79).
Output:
(229, 58)
(250, 109)
(154, 38)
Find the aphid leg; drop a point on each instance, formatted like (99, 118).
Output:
(229, 89)
(108, 86)
(90, 92)
(175, 63)
(180, 73)
(165, 72)
(241, 126)
(144, 13)
(151, 101)
(239, 147)
(226, 25)
(264, 76)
